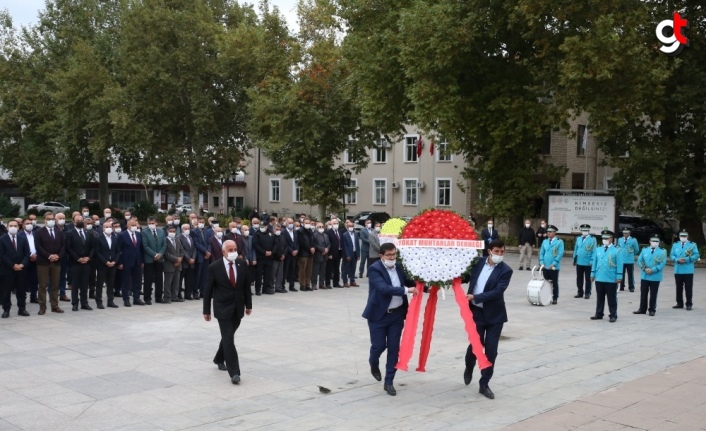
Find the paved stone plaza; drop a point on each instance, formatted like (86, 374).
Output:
(150, 368)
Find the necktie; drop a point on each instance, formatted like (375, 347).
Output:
(14, 244)
(134, 241)
(154, 233)
(83, 238)
(51, 232)
(606, 248)
(231, 275)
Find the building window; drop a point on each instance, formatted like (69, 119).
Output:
(215, 201)
(186, 198)
(274, 190)
(125, 198)
(546, 148)
(577, 180)
(580, 144)
(410, 149)
(92, 195)
(381, 150)
(443, 192)
(348, 158)
(231, 201)
(204, 197)
(609, 184)
(351, 196)
(411, 191)
(379, 191)
(297, 191)
(443, 151)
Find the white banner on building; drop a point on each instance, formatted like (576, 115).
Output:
(569, 209)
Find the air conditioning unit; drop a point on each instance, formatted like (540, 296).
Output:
(386, 144)
(421, 185)
(395, 185)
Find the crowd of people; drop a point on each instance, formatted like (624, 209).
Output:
(87, 255)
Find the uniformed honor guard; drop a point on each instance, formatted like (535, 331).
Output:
(584, 250)
(550, 256)
(606, 272)
(629, 247)
(651, 261)
(684, 254)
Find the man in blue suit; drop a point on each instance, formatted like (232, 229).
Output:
(14, 252)
(203, 256)
(351, 254)
(488, 281)
(154, 245)
(386, 310)
(364, 246)
(132, 262)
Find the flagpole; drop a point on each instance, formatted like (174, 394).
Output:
(585, 155)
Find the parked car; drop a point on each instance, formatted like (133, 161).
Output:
(380, 217)
(183, 209)
(642, 228)
(53, 206)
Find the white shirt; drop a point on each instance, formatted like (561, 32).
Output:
(30, 239)
(352, 234)
(482, 280)
(395, 281)
(109, 240)
(291, 233)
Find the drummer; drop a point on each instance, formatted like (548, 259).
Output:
(607, 271)
(584, 250)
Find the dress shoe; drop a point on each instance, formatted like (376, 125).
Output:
(188, 298)
(64, 298)
(112, 304)
(56, 310)
(280, 290)
(269, 292)
(75, 307)
(622, 289)
(688, 308)
(86, 307)
(612, 319)
(100, 306)
(375, 371)
(390, 390)
(554, 301)
(346, 285)
(337, 285)
(329, 286)
(467, 376)
(652, 313)
(522, 268)
(580, 295)
(160, 301)
(487, 392)
(42, 311)
(23, 312)
(197, 297)
(293, 289)
(639, 312)
(6, 314)
(596, 317)
(322, 287)
(138, 301)
(587, 296)
(258, 294)
(127, 304)
(221, 366)
(148, 302)
(678, 306)
(34, 301)
(178, 300)
(235, 379)
(632, 290)
(354, 284)
(360, 275)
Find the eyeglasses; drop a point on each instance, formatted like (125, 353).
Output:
(390, 256)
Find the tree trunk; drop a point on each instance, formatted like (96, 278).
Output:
(195, 201)
(103, 190)
(515, 224)
(322, 214)
(692, 223)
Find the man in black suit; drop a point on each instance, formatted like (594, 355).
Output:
(333, 265)
(265, 244)
(107, 255)
(79, 246)
(228, 283)
(290, 257)
(49, 241)
(14, 252)
(488, 234)
(488, 280)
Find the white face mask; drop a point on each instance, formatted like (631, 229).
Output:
(107, 215)
(233, 230)
(290, 226)
(171, 235)
(544, 225)
(118, 229)
(321, 230)
(34, 222)
(490, 226)
(683, 238)
(12, 230)
(263, 229)
(584, 233)
(255, 226)
(350, 229)
(246, 233)
(527, 225)
(307, 226)
(28, 227)
(50, 223)
(108, 230)
(201, 225)
(368, 225)
(377, 229)
(186, 232)
(86, 214)
(232, 256)
(61, 222)
(278, 232)
(496, 259)
(654, 244)
(389, 263)
(89, 227)
(606, 242)
(133, 229)
(219, 234)
(153, 226)
(335, 226)
(237, 226)
(128, 216)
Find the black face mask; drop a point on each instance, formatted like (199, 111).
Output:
(79, 225)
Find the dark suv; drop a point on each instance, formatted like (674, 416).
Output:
(380, 217)
(642, 228)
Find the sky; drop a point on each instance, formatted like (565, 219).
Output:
(24, 12)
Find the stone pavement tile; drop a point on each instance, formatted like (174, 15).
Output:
(258, 420)
(617, 397)
(645, 413)
(7, 397)
(136, 380)
(174, 422)
(223, 410)
(655, 384)
(604, 425)
(6, 426)
(75, 410)
(309, 422)
(97, 388)
(59, 372)
(689, 420)
(39, 420)
(672, 426)
(184, 397)
(64, 399)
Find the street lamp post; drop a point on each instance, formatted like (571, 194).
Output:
(346, 183)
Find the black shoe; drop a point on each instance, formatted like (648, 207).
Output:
(293, 289)
(688, 307)
(612, 319)
(580, 295)
(258, 293)
(554, 301)
(23, 312)
(34, 301)
(360, 275)
(148, 302)
(652, 313)
(678, 306)
(188, 298)
(632, 290)
(177, 300)
(235, 379)
(639, 312)
(221, 366)
(138, 301)
(467, 376)
(596, 317)
(337, 285)
(112, 304)
(269, 292)
(622, 289)
(100, 306)
(588, 296)
(390, 390)
(75, 308)
(487, 392)
(160, 301)
(375, 371)
(522, 268)
(6, 314)
(280, 291)
(86, 307)
(127, 304)
(328, 286)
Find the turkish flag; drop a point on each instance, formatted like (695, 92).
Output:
(419, 146)
(431, 147)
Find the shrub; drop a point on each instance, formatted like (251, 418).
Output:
(7, 208)
(144, 209)
(161, 217)
(511, 241)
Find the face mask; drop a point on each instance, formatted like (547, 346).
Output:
(201, 225)
(278, 232)
(34, 222)
(490, 226)
(654, 244)
(307, 226)
(108, 230)
(214, 225)
(606, 242)
(118, 229)
(89, 226)
(544, 225)
(584, 234)
(186, 232)
(377, 229)
(368, 225)
(28, 227)
(246, 233)
(321, 230)
(335, 226)
(86, 214)
(12, 230)
(233, 230)
(527, 225)
(237, 226)
(256, 226)
(106, 215)
(133, 229)
(171, 235)
(50, 223)
(232, 256)
(153, 226)
(350, 229)
(61, 222)
(496, 258)
(301, 220)
(219, 234)
(97, 223)
(389, 263)
(263, 229)
(683, 238)
(128, 216)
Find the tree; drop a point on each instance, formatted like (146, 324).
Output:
(306, 119)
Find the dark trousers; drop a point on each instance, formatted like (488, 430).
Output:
(490, 338)
(188, 274)
(553, 276)
(154, 274)
(79, 282)
(363, 262)
(348, 270)
(372, 260)
(318, 273)
(14, 281)
(684, 282)
(200, 277)
(290, 262)
(132, 282)
(92, 275)
(106, 276)
(226, 349)
(118, 283)
(629, 267)
(583, 278)
(611, 291)
(63, 275)
(333, 271)
(648, 288)
(385, 334)
(31, 281)
(263, 274)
